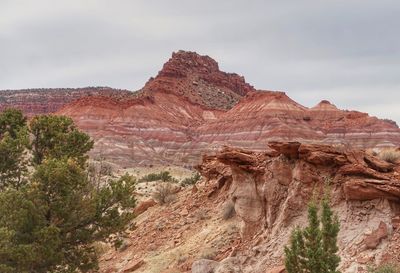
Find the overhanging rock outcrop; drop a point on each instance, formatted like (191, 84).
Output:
(271, 189)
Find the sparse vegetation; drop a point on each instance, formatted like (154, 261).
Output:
(99, 172)
(208, 253)
(313, 249)
(164, 176)
(191, 180)
(390, 155)
(385, 268)
(228, 210)
(164, 193)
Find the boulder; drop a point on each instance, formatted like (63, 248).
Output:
(204, 266)
(372, 240)
(143, 206)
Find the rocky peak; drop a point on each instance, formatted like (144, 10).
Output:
(183, 62)
(198, 79)
(324, 105)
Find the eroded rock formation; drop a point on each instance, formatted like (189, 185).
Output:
(191, 108)
(271, 190)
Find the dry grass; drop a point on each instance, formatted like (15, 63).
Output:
(164, 193)
(208, 253)
(385, 268)
(390, 155)
(101, 248)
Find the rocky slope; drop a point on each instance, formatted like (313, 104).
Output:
(191, 108)
(42, 101)
(268, 192)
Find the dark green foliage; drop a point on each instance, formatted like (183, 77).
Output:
(295, 253)
(191, 180)
(50, 222)
(14, 140)
(11, 121)
(329, 230)
(164, 176)
(56, 137)
(313, 241)
(313, 249)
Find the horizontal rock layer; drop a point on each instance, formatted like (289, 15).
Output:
(191, 108)
(49, 100)
(163, 128)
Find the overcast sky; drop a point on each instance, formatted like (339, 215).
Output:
(345, 51)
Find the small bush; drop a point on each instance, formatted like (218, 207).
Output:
(101, 248)
(390, 155)
(164, 193)
(191, 180)
(228, 210)
(163, 176)
(174, 180)
(208, 253)
(386, 268)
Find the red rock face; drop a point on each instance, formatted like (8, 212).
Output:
(198, 79)
(191, 108)
(42, 101)
(267, 116)
(270, 191)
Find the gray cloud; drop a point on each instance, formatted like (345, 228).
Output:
(344, 51)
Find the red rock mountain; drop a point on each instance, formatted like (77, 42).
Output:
(48, 100)
(198, 79)
(191, 108)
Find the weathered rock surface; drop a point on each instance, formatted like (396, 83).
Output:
(198, 78)
(270, 191)
(143, 206)
(373, 240)
(204, 266)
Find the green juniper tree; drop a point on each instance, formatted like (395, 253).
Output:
(329, 231)
(56, 137)
(294, 253)
(50, 222)
(11, 121)
(14, 140)
(313, 249)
